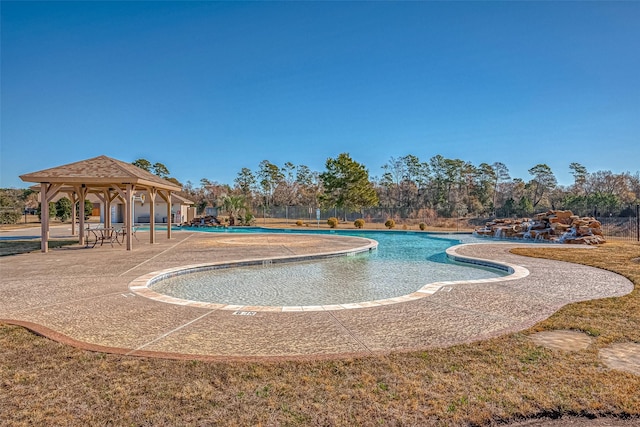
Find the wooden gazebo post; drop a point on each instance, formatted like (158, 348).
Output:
(127, 195)
(44, 217)
(74, 214)
(167, 198)
(82, 194)
(153, 192)
(169, 215)
(47, 193)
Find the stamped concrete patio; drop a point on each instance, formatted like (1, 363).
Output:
(82, 297)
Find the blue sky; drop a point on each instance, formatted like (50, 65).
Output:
(208, 88)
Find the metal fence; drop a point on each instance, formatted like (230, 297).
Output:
(623, 228)
(374, 215)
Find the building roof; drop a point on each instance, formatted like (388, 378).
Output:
(99, 171)
(182, 200)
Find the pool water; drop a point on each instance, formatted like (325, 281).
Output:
(402, 264)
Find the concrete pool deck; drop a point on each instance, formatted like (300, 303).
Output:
(82, 297)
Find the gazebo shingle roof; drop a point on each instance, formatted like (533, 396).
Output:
(99, 170)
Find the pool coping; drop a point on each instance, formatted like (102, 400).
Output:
(141, 285)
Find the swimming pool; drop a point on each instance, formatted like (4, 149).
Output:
(402, 264)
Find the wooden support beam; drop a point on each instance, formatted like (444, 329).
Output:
(153, 192)
(81, 191)
(167, 198)
(74, 211)
(47, 193)
(169, 215)
(127, 195)
(112, 196)
(44, 217)
(106, 212)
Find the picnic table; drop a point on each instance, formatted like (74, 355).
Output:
(100, 234)
(122, 232)
(108, 234)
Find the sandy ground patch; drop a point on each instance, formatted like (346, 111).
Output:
(622, 356)
(562, 340)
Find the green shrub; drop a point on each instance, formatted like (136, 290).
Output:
(299, 223)
(422, 226)
(9, 217)
(358, 223)
(52, 210)
(63, 209)
(88, 209)
(249, 218)
(390, 224)
(333, 222)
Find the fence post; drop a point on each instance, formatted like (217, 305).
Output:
(638, 222)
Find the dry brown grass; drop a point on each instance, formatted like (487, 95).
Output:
(14, 247)
(508, 378)
(32, 221)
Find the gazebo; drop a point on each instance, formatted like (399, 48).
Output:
(108, 179)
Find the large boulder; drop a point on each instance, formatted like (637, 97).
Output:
(553, 226)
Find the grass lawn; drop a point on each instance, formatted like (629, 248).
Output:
(504, 379)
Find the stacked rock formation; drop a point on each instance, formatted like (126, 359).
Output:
(552, 226)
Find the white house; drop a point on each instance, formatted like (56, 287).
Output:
(181, 209)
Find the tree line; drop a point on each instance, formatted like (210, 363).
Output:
(409, 187)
